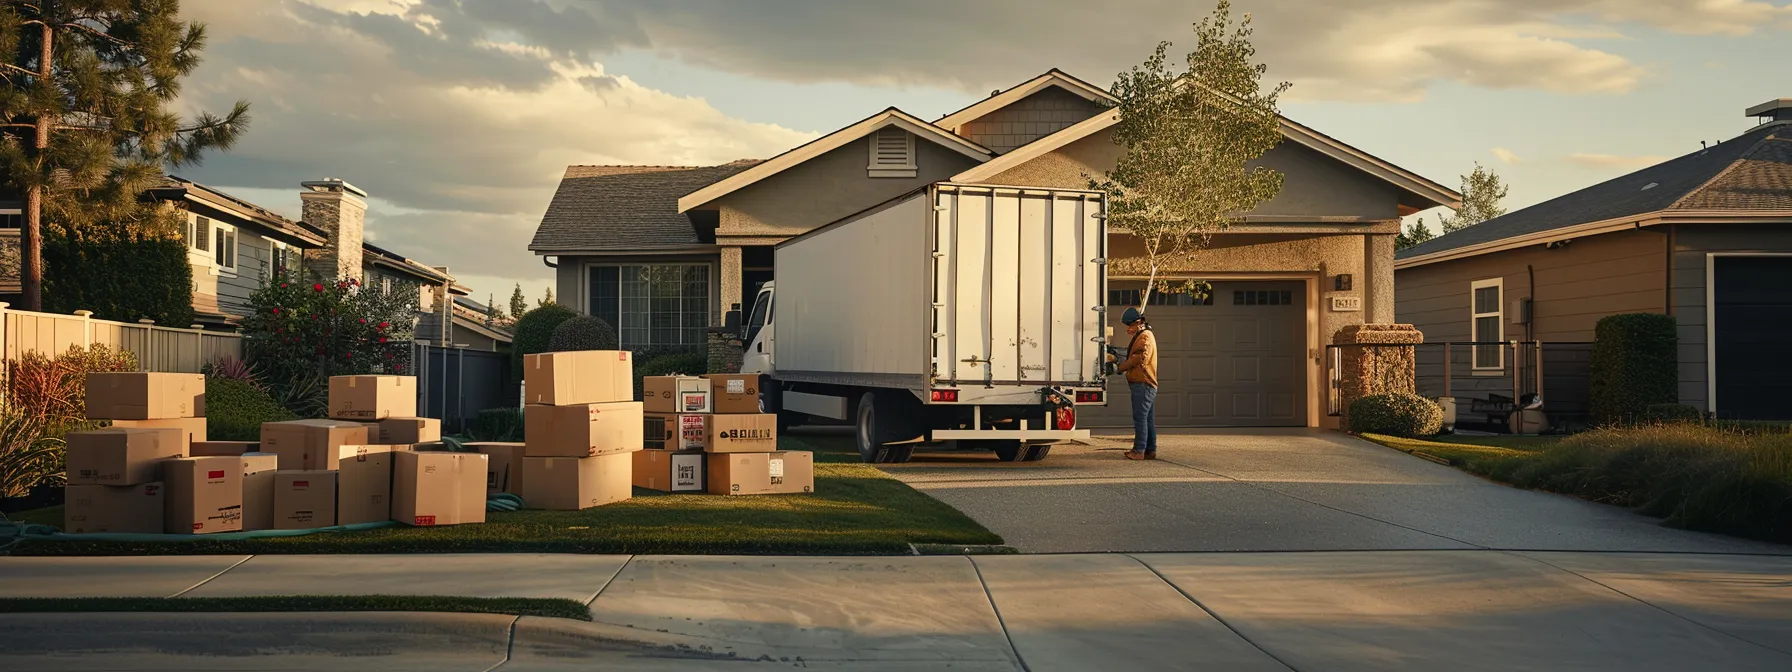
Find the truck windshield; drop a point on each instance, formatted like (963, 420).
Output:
(762, 309)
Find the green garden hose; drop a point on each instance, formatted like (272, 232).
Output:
(503, 501)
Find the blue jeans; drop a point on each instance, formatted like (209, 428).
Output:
(1144, 418)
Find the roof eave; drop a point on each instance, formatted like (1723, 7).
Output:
(1009, 96)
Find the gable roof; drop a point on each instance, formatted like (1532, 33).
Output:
(1000, 99)
(1750, 174)
(830, 142)
(174, 187)
(625, 207)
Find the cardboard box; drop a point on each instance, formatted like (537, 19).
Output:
(258, 490)
(135, 509)
(311, 444)
(757, 433)
(192, 429)
(406, 431)
(675, 431)
(373, 397)
(363, 484)
(583, 430)
(675, 394)
(781, 472)
(438, 488)
(121, 455)
(669, 471)
(222, 448)
(204, 494)
(504, 467)
(570, 484)
(581, 377)
(304, 499)
(144, 395)
(733, 392)
(792, 471)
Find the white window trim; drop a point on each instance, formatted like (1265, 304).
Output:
(1500, 320)
(235, 254)
(193, 238)
(714, 289)
(907, 169)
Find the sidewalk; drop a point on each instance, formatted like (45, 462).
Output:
(1253, 611)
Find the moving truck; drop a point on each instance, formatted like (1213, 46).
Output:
(958, 312)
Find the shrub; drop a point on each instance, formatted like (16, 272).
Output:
(235, 409)
(497, 424)
(306, 395)
(53, 390)
(534, 331)
(231, 368)
(124, 276)
(686, 363)
(1634, 364)
(297, 330)
(582, 333)
(1399, 414)
(29, 456)
(1672, 413)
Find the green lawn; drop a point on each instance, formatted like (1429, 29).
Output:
(515, 606)
(856, 509)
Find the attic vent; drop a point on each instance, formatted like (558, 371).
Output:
(1649, 186)
(892, 153)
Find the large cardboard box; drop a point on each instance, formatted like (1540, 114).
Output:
(222, 448)
(757, 433)
(733, 392)
(373, 397)
(782, 472)
(675, 431)
(669, 471)
(192, 429)
(258, 490)
(204, 496)
(407, 431)
(121, 455)
(792, 471)
(570, 484)
(438, 488)
(579, 377)
(364, 484)
(675, 394)
(135, 509)
(582, 430)
(311, 444)
(143, 395)
(504, 467)
(304, 499)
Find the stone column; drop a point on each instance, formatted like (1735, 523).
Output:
(1374, 359)
(340, 209)
(1378, 283)
(730, 285)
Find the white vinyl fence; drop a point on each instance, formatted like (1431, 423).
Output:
(165, 349)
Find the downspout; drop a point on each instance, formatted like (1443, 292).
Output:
(1667, 290)
(1530, 321)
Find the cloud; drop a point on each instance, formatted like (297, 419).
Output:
(1506, 156)
(1611, 162)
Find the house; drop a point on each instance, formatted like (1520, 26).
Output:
(664, 251)
(1704, 237)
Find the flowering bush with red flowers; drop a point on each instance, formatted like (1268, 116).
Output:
(304, 329)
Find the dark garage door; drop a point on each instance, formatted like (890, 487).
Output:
(1237, 362)
(1753, 312)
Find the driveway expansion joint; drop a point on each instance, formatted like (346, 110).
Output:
(1018, 659)
(509, 645)
(1210, 613)
(208, 579)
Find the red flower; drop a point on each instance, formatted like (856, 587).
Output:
(383, 340)
(363, 320)
(317, 287)
(350, 355)
(283, 285)
(383, 325)
(276, 310)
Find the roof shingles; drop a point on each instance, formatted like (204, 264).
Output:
(622, 208)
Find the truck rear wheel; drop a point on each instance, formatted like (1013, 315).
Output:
(1016, 451)
(878, 424)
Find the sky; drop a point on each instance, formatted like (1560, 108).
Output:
(459, 116)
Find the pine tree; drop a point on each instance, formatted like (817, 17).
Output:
(547, 299)
(493, 314)
(1482, 192)
(518, 304)
(86, 125)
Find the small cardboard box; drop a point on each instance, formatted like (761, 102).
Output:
(192, 429)
(675, 431)
(739, 473)
(504, 467)
(135, 509)
(792, 471)
(675, 394)
(583, 430)
(757, 433)
(121, 455)
(364, 484)
(373, 397)
(669, 471)
(311, 444)
(438, 488)
(733, 392)
(580, 377)
(406, 431)
(258, 490)
(570, 484)
(145, 395)
(204, 496)
(304, 499)
(222, 448)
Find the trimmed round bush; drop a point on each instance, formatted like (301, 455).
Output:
(1402, 414)
(235, 409)
(1633, 366)
(684, 363)
(583, 333)
(534, 331)
(497, 424)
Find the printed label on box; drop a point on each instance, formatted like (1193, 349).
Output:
(693, 430)
(687, 476)
(423, 521)
(696, 402)
(737, 386)
(778, 468)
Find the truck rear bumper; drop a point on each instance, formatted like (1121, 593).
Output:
(1055, 435)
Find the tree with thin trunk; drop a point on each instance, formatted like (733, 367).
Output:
(1482, 192)
(1414, 234)
(518, 304)
(84, 119)
(1191, 134)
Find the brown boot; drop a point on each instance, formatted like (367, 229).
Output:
(1135, 455)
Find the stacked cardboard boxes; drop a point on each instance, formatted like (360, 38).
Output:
(580, 425)
(125, 478)
(707, 434)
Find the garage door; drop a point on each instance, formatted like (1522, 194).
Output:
(1236, 360)
(1753, 311)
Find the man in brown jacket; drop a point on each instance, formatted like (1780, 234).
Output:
(1140, 368)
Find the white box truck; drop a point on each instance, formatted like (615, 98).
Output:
(958, 312)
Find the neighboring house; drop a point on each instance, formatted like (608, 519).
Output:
(664, 251)
(1704, 238)
(233, 246)
(471, 329)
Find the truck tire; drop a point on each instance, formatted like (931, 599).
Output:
(873, 430)
(1006, 450)
(1037, 452)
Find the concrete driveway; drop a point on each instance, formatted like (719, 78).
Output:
(1275, 490)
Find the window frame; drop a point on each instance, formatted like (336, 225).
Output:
(197, 244)
(710, 290)
(227, 242)
(1499, 320)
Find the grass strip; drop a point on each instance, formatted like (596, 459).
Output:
(515, 606)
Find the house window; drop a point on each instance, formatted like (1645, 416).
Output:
(224, 247)
(1130, 297)
(199, 234)
(653, 306)
(1484, 297)
(12, 219)
(892, 153)
(1262, 297)
(386, 284)
(283, 259)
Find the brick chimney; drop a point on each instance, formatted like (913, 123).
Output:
(340, 209)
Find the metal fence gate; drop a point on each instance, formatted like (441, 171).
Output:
(455, 384)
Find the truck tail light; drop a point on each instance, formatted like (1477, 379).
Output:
(1089, 397)
(1064, 418)
(945, 395)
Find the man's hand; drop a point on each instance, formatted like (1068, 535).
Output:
(1112, 358)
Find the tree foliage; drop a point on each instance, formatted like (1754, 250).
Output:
(1190, 135)
(518, 304)
(1414, 234)
(547, 298)
(1482, 192)
(119, 275)
(582, 333)
(535, 331)
(298, 330)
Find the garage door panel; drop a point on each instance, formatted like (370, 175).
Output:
(1194, 370)
(1245, 369)
(1196, 334)
(1246, 404)
(1199, 405)
(1244, 333)
(1752, 313)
